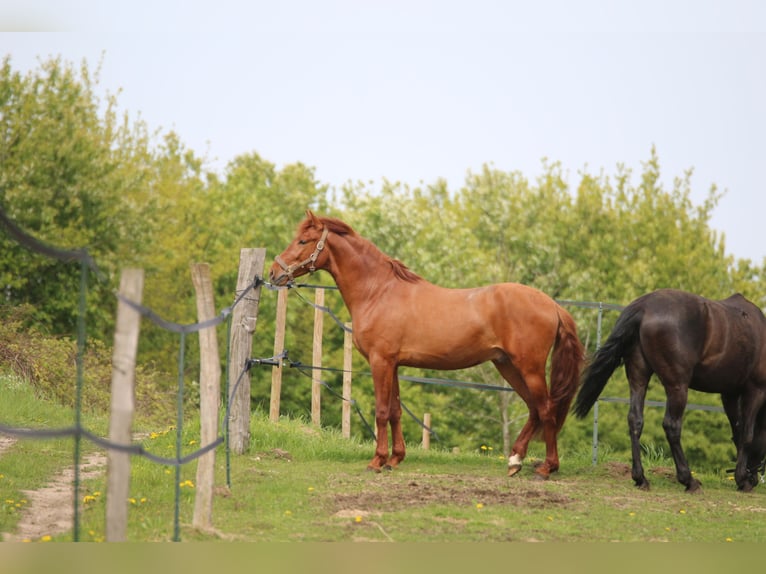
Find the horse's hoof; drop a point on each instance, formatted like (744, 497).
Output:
(540, 476)
(388, 467)
(694, 487)
(371, 468)
(643, 485)
(745, 487)
(514, 463)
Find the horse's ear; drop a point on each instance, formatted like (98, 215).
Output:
(313, 219)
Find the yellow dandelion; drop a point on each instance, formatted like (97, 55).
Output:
(550, 518)
(288, 512)
(311, 489)
(479, 505)
(192, 442)
(2, 476)
(728, 539)
(682, 511)
(132, 500)
(631, 513)
(484, 447)
(143, 500)
(46, 538)
(357, 519)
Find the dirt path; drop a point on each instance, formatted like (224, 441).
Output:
(50, 509)
(6, 442)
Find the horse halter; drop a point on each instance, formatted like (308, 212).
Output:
(310, 260)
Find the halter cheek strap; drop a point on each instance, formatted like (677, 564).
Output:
(310, 260)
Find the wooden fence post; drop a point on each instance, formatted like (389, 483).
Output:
(426, 431)
(243, 321)
(345, 422)
(316, 373)
(279, 346)
(122, 404)
(209, 390)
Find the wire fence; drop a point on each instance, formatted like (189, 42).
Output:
(77, 431)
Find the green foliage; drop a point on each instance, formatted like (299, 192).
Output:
(47, 364)
(61, 182)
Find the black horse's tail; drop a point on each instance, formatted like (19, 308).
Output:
(608, 358)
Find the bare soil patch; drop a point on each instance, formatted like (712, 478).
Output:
(6, 442)
(449, 489)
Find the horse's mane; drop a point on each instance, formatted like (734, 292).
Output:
(401, 271)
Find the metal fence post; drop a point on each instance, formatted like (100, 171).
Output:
(595, 406)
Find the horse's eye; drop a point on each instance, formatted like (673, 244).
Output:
(302, 242)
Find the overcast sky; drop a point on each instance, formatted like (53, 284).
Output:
(418, 90)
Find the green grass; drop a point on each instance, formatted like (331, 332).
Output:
(301, 484)
(30, 463)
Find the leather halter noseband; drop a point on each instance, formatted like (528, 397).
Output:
(310, 260)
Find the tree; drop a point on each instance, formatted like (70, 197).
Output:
(61, 182)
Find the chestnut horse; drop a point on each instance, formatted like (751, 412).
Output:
(399, 318)
(689, 342)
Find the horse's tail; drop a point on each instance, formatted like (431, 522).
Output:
(566, 363)
(608, 358)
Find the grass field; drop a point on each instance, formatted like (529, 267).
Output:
(301, 484)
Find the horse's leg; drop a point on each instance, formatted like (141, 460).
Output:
(541, 413)
(382, 377)
(758, 450)
(672, 423)
(519, 449)
(395, 418)
(744, 474)
(731, 406)
(520, 446)
(638, 378)
(539, 392)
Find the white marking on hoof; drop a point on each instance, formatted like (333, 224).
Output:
(514, 464)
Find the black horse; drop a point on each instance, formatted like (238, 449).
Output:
(689, 342)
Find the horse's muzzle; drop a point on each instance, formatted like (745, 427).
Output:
(277, 277)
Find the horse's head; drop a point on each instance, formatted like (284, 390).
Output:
(304, 255)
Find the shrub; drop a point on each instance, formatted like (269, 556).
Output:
(49, 364)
